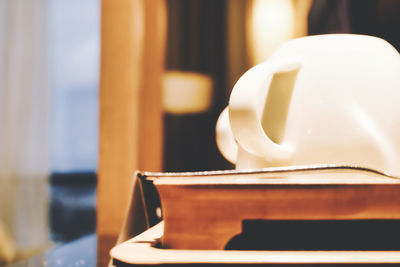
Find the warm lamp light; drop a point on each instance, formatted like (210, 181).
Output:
(271, 23)
(186, 92)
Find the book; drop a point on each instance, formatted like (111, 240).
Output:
(207, 210)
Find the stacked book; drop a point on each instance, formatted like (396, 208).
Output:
(304, 215)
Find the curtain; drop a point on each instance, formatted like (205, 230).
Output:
(196, 42)
(24, 95)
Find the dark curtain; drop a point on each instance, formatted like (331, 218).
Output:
(371, 17)
(196, 42)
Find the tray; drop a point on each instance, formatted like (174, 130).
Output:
(143, 250)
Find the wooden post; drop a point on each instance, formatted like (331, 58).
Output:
(151, 125)
(133, 36)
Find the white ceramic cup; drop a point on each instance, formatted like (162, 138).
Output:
(326, 99)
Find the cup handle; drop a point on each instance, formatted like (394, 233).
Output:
(246, 108)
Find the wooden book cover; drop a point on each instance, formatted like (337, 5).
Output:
(212, 210)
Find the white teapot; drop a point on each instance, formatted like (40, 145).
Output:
(325, 99)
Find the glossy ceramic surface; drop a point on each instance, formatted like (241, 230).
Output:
(328, 99)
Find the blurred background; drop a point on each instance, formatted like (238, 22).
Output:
(49, 95)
